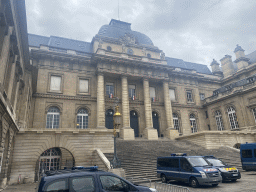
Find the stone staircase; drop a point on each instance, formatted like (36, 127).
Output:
(138, 158)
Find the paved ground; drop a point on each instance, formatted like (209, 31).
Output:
(246, 184)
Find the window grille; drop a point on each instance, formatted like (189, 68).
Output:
(219, 122)
(82, 119)
(176, 121)
(53, 118)
(50, 160)
(232, 118)
(189, 96)
(193, 125)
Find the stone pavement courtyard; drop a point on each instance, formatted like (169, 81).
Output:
(246, 184)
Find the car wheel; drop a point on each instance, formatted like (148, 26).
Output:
(193, 182)
(214, 185)
(164, 180)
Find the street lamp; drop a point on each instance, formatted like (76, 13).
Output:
(117, 121)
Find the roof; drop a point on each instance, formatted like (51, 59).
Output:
(59, 42)
(179, 63)
(118, 29)
(252, 57)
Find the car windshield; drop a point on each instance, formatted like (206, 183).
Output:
(197, 161)
(216, 162)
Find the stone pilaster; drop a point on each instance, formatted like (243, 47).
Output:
(11, 82)
(126, 132)
(100, 102)
(170, 132)
(149, 133)
(4, 56)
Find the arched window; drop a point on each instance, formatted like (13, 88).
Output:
(219, 123)
(254, 113)
(82, 119)
(176, 121)
(53, 118)
(192, 119)
(232, 118)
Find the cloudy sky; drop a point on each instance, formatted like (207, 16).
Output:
(192, 30)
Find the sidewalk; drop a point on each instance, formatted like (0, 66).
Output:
(30, 187)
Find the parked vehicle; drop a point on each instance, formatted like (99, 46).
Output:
(227, 172)
(248, 156)
(89, 179)
(194, 170)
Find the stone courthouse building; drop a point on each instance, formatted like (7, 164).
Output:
(58, 95)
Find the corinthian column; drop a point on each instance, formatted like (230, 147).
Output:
(126, 133)
(150, 133)
(100, 102)
(170, 132)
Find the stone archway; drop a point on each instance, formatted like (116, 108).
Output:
(53, 159)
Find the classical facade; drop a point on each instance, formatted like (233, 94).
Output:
(58, 96)
(15, 80)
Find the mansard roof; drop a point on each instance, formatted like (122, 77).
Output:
(59, 42)
(179, 63)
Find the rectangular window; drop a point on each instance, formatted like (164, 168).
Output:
(131, 89)
(201, 96)
(172, 94)
(189, 96)
(110, 89)
(168, 162)
(247, 153)
(152, 92)
(55, 83)
(206, 114)
(83, 86)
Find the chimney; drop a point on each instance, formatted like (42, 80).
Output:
(216, 68)
(227, 66)
(241, 60)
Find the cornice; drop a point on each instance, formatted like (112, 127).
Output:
(65, 97)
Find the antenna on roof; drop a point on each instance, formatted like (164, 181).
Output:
(118, 11)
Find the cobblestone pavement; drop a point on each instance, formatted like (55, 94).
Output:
(246, 184)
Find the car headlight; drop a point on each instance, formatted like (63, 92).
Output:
(223, 170)
(153, 190)
(203, 174)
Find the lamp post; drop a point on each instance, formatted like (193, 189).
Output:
(115, 163)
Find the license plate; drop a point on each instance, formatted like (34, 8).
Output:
(235, 175)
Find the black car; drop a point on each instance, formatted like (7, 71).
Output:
(85, 179)
(227, 172)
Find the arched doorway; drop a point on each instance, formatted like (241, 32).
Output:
(53, 159)
(156, 122)
(134, 123)
(109, 121)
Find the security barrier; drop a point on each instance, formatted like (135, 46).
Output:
(163, 187)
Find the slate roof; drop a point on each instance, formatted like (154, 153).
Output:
(117, 29)
(252, 57)
(179, 63)
(59, 42)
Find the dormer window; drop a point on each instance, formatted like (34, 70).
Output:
(148, 55)
(228, 87)
(109, 48)
(129, 51)
(215, 93)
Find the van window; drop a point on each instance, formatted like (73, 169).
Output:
(197, 161)
(254, 152)
(168, 162)
(184, 164)
(247, 153)
(80, 184)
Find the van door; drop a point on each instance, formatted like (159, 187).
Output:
(185, 170)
